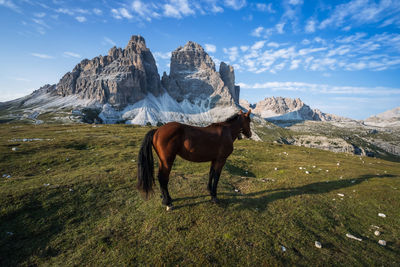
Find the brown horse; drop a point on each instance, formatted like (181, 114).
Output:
(199, 144)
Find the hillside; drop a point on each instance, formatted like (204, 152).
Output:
(71, 200)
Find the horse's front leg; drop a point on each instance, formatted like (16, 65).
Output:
(217, 167)
(211, 177)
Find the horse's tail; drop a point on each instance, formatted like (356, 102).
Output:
(146, 165)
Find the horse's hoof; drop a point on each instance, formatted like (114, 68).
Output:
(170, 207)
(214, 200)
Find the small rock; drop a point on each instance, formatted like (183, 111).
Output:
(333, 199)
(71, 190)
(318, 244)
(307, 172)
(353, 181)
(327, 170)
(382, 242)
(353, 237)
(314, 166)
(382, 215)
(14, 148)
(338, 164)
(377, 233)
(67, 159)
(276, 169)
(133, 160)
(300, 168)
(236, 190)
(46, 184)
(283, 248)
(340, 195)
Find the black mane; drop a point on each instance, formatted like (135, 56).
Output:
(232, 118)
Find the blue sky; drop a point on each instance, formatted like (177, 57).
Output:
(342, 57)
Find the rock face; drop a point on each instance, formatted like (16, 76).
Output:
(122, 77)
(387, 118)
(288, 109)
(193, 77)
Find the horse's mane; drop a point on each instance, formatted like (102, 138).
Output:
(228, 120)
(232, 118)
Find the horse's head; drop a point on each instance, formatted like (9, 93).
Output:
(245, 123)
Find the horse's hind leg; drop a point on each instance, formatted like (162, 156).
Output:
(163, 177)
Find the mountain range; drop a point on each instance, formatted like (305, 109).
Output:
(124, 86)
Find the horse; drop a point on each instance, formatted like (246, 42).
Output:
(197, 144)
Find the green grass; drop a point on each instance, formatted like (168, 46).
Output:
(91, 214)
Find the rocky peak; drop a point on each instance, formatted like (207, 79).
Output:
(191, 57)
(193, 77)
(123, 77)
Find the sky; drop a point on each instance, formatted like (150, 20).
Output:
(342, 57)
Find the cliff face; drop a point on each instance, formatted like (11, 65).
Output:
(193, 77)
(122, 77)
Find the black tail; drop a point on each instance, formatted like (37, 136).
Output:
(146, 165)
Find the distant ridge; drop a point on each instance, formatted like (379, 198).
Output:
(288, 109)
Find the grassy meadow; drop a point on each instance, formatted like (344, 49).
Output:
(68, 198)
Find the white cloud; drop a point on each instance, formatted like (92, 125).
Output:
(232, 52)
(296, 2)
(359, 12)
(257, 31)
(162, 55)
(235, 4)
(44, 56)
(71, 54)
(279, 27)
(65, 11)
(10, 4)
(41, 23)
(244, 48)
(295, 64)
(80, 18)
(177, 9)
(144, 10)
(310, 26)
(273, 44)
(258, 45)
(210, 48)
(322, 88)
(97, 11)
(121, 13)
(109, 41)
(39, 15)
(265, 7)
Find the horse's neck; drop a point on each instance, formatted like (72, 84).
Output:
(235, 129)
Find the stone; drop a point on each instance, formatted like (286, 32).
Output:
(382, 215)
(382, 242)
(353, 237)
(318, 244)
(377, 233)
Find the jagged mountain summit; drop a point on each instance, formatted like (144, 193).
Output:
(193, 77)
(123, 77)
(124, 86)
(288, 109)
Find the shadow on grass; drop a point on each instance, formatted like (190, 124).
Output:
(38, 217)
(235, 170)
(261, 199)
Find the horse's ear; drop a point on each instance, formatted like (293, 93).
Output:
(248, 113)
(240, 112)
